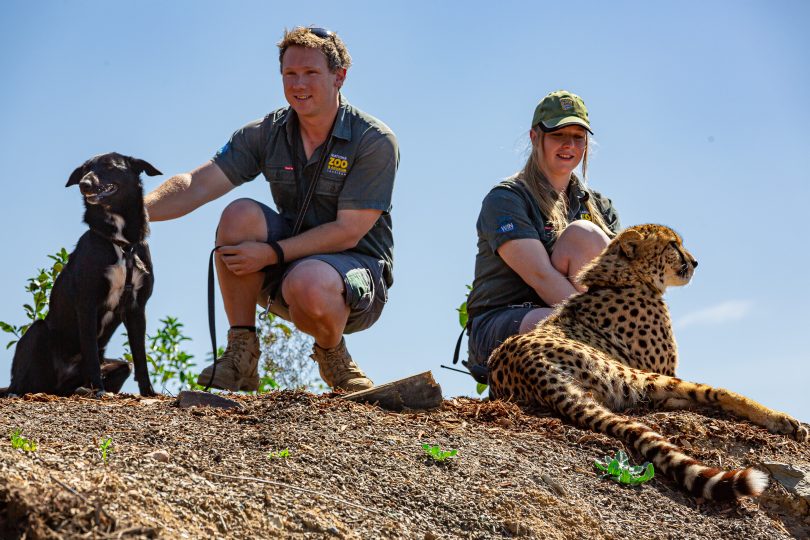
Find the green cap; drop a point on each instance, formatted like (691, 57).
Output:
(560, 109)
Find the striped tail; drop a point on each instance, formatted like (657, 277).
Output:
(696, 478)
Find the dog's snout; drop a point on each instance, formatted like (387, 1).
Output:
(86, 184)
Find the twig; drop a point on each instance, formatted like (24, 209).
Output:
(296, 488)
(86, 500)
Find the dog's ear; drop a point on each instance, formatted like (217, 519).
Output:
(139, 166)
(77, 175)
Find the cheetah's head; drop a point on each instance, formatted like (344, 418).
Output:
(649, 254)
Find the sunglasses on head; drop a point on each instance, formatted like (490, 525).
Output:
(322, 33)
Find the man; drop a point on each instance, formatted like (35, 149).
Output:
(331, 278)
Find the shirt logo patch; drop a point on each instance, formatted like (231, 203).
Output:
(505, 224)
(586, 215)
(566, 103)
(337, 164)
(288, 168)
(224, 148)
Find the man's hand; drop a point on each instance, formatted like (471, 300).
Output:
(247, 258)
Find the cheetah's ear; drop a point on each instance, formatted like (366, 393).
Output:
(629, 242)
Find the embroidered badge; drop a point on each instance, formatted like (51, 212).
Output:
(505, 224)
(337, 164)
(224, 148)
(586, 215)
(566, 103)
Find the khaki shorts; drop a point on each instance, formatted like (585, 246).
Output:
(364, 288)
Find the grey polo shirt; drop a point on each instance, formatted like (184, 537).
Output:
(358, 175)
(510, 212)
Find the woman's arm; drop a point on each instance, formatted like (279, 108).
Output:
(529, 259)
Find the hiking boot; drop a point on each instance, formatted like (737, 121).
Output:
(338, 370)
(238, 367)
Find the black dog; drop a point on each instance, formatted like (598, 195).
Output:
(107, 280)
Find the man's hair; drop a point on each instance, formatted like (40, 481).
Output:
(332, 47)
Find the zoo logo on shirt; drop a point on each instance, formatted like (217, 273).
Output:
(337, 164)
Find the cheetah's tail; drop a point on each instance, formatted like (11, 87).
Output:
(696, 478)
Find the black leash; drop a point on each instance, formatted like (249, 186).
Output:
(299, 221)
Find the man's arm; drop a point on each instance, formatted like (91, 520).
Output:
(529, 259)
(185, 192)
(339, 235)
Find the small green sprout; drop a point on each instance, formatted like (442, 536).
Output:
(280, 454)
(620, 470)
(105, 448)
(18, 442)
(436, 453)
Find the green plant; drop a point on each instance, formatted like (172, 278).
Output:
(18, 442)
(285, 453)
(620, 470)
(170, 366)
(105, 448)
(285, 354)
(40, 288)
(463, 319)
(436, 453)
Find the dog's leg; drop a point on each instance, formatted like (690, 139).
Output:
(114, 373)
(87, 316)
(135, 323)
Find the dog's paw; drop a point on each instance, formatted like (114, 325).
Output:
(147, 391)
(802, 434)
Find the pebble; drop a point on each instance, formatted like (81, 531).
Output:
(159, 455)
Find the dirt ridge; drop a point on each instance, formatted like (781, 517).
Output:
(357, 471)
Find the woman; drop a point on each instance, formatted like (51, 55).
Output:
(536, 231)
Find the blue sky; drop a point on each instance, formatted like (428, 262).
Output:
(699, 109)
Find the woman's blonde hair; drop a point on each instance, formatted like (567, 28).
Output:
(554, 205)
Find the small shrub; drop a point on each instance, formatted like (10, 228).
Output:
(436, 453)
(105, 448)
(40, 288)
(285, 354)
(18, 442)
(620, 470)
(281, 454)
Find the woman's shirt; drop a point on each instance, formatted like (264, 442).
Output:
(510, 212)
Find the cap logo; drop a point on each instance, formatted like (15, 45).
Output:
(566, 103)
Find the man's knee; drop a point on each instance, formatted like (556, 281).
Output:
(242, 220)
(314, 287)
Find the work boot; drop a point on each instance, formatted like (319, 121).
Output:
(238, 367)
(338, 370)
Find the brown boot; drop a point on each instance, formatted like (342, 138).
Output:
(338, 370)
(238, 367)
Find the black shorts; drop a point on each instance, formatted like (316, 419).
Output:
(488, 330)
(364, 288)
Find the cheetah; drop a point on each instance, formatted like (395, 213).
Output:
(612, 347)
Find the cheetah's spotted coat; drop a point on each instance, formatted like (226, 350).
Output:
(612, 347)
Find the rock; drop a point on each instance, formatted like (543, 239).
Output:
(159, 455)
(418, 392)
(795, 479)
(190, 398)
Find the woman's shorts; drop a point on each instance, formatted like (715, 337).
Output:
(491, 328)
(364, 288)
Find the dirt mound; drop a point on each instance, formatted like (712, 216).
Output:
(356, 471)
